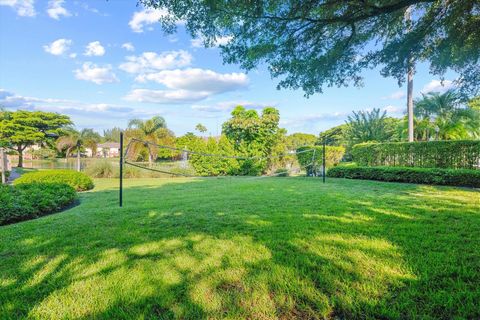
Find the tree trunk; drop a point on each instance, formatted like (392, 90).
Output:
(410, 103)
(409, 88)
(78, 159)
(20, 156)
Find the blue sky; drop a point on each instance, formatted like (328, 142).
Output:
(103, 63)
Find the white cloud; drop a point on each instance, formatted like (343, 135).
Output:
(92, 72)
(58, 47)
(151, 61)
(146, 17)
(197, 80)
(165, 96)
(128, 46)
(56, 10)
(11, 100)
(24, 8)
(438, 86)
(72, 55)
(393, 109)
(397, 95)
(94, 48)
(220, 41)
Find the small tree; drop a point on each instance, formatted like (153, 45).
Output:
(369, 126)
(75, 141)
(201, 128)
(21, 129)
(147, 130)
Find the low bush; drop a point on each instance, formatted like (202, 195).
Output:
(101, 169)
(78, 180)
(450, 177)
(31, 200)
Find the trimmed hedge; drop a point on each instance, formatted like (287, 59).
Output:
(452, 154)
(449, 177)
(313, 161)
(32, 200)
(78, 180)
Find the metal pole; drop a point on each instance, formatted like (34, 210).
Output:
(323, 162)
(121, 169)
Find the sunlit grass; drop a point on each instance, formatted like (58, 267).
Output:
(248, 248)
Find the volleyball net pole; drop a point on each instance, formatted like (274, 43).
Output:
(121, 171)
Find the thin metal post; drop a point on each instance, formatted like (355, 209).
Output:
(323, 162)
(121, 169)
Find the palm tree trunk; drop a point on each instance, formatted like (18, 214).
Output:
(78, 159)
(409, 88)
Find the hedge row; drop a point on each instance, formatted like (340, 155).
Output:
(453, 154)
(450, 177)
(313, 160)
(32, 200)
(78, 180)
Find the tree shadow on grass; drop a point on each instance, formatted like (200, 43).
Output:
(241, 248)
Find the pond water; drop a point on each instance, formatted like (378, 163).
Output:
(70, 163)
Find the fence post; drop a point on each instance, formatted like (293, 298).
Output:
(121, 170)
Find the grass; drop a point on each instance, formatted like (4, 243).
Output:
(248, 248)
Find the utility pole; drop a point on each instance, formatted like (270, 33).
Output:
(409, 84)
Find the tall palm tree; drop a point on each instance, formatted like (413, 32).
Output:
(443, 117)
(74, 141)
(147, 130)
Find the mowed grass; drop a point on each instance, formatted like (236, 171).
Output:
(243, 248)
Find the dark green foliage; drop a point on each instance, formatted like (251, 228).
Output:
(254, 135)
(314, 44)
(312, 160)
(78, 180)
(32, 200)
(214, 166)
(297, 140)
(449, 177)
(458, 154)
(21, 129)
(335, 136)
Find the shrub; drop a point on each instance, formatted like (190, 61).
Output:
(78, 180)
(450, 177)
(453, 154)
(31, 200)
(313, 160)
(101, 169)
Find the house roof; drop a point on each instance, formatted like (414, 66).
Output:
(109, 145)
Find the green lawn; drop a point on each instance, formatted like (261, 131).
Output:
(248, 248)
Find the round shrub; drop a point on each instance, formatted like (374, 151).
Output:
(31, 200)
(78, 180)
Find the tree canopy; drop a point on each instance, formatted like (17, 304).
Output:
(313, 44)
(21, 129)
